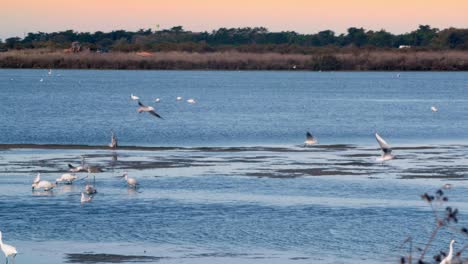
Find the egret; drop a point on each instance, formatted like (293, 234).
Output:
(132, 182)
(66, 178)
(448, 258)
(113, 143)
(9, 251)
(310, 140)
(46, 185)
(148, 109)
(134, 97)
(387, 151)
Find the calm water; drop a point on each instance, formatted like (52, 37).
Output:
(277, 203)
(234, 108)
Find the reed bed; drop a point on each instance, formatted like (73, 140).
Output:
(393, 60)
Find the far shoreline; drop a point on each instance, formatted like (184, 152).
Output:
(342, 61)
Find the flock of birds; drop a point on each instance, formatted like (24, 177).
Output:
(90, 189)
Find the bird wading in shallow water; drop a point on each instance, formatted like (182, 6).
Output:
(9, 251)
(449, 257)
(132, 182)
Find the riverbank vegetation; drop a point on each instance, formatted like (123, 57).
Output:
(240, 49)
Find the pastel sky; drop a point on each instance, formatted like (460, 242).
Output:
(304, 16)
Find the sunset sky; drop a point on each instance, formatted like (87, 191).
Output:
(304, 16)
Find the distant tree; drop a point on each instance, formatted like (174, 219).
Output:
(12, 43)
(356, 36)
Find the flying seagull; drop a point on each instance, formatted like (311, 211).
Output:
(149, 109)
(310, 140)
(387, 150)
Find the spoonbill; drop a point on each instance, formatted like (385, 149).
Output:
(148, 109)
(66, 178)
(85, 198)
(310, 140)
(134, 97)
(387, 151)
(191, 101)
(9, 251)
(132, 182)
(449, 257)
(46, 185)
(434, 109)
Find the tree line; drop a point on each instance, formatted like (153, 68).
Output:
(256, 39)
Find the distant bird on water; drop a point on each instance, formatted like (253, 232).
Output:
(66, 178)
(310, 140)
(50, 72)
(191, 101)
(132, 182)
(114, 143)
(46, 185)
(157, 100)
(85, 198)
(449, 257)
(8, 250)
(434, 109)
(148, 109)
(134, 97)
(179, 98)
(387, 151)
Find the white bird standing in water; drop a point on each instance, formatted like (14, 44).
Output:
(85, 198)
(310, 140)
(46, 185)
(50, 72)
(191, 101)
(132, 182)
(434, 109)
(114, 142)
(387, 151)
(9, 251)
(449, 257)
(134, 97)
(66, 178)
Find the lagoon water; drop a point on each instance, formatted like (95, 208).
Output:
(235, 186)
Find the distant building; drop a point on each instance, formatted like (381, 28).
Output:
(404, 47)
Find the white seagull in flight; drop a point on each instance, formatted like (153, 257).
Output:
(148, 109)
